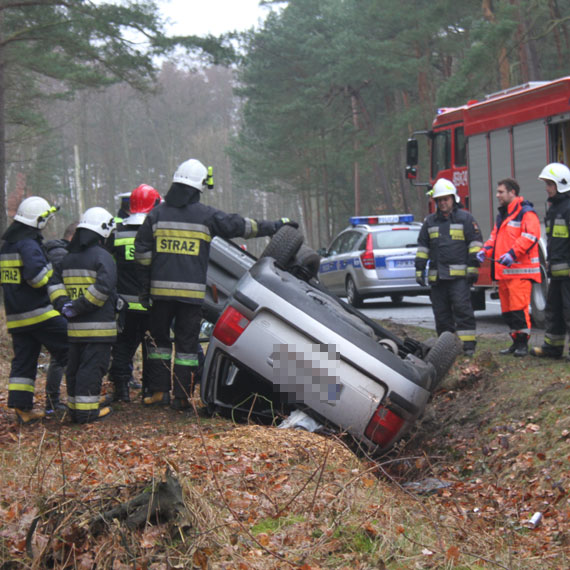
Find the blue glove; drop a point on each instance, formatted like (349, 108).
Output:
(506, 259)
(68, 311)
(481, 255)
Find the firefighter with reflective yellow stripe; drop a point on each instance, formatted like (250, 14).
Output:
(172, 249)
(450, 239)
(85, 290)
(32, 320)
(136, 322)
(556, 177)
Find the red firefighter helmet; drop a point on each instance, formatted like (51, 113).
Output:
(143, 199)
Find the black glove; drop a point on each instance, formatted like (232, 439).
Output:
(285, 222)
(420, 280)
(472, 278)
(145, 300)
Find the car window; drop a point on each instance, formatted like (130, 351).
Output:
(336, 245)
(396, 238)
(353, 238)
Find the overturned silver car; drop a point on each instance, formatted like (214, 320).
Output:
(282, 342)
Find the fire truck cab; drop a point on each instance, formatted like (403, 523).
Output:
(512, 133)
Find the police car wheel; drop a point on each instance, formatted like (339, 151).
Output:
(397, 299)
(284, 245)
(352, 294)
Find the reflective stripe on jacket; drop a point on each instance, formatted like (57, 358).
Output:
(450, 244)
(88, 279)
(122, 246)
(516, 231)
(172, 247)
(24, 273)
(557, 222)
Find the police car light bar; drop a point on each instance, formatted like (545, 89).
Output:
(373, 220)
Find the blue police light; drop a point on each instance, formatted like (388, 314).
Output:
(374, 220)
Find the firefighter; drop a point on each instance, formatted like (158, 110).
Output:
(122, 245)
(450, 239)
(513, 248)
(56, 250)
(172, 248)
(84, 289)
(31, 319)
(556, 176)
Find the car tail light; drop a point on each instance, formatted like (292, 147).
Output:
(230, 326)
(367, 258)
(383, 426)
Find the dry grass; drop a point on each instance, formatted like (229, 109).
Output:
(261, 497)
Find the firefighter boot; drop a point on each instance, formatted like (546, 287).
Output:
(512, 348)
(28, 416)
(545, 351)
(53, 403)
(121, 393)
(521, 342)
(157, 399)
(180, 404)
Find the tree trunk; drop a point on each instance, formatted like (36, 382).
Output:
(503, 60)
(354, 105)
(2, 130)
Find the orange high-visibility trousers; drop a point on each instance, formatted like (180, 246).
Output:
(515, 300)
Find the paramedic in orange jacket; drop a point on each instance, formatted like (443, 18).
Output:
(513, 248)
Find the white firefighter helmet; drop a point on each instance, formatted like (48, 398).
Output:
(557, 173)
(444, 187)
(97, 220)
(192, 173)
(35, 212)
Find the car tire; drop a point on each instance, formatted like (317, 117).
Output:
(306, 263)
(538, 299)
(352, 294)
(284, 244)
(443, 354)
(397, 299)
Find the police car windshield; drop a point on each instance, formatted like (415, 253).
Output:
(396, 238)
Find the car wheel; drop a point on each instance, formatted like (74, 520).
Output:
(397, 299)
(284, 245)
(443, 354)
(538, 299)
(352, 294)
(306, 263)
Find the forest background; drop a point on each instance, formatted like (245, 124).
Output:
(305, 116)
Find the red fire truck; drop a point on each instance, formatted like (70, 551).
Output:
(512, 133)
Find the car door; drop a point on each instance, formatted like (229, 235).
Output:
(330, 273)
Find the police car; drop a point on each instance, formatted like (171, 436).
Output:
(373, 257)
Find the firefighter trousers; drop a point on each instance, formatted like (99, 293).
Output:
(557, 313)
(184, 319)
(27, 345)
(453, 311)
(88, 363)
(515, 300)
(124, 349)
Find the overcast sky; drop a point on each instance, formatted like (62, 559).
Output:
(202, 17)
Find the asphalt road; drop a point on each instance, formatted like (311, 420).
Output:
(417, 311)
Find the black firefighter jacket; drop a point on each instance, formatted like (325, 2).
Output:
(557, 222)
(24, 273)
(173, 245)
(87, 278)
(450, 244)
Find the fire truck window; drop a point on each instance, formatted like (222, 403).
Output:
(460, 148)
(440, 155)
